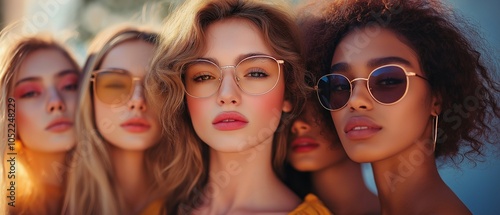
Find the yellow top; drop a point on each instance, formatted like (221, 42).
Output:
(311, 206)
(154, 208)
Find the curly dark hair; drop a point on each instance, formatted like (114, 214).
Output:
(449, 52)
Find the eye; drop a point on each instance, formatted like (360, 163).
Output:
(30, 94)
(203, 77)
(257, 73)
(28, 90)
(389, 81)
(115, 85)
(70, 87)
(340, 87)
(69, 82)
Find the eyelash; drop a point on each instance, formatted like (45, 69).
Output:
(30, 94)
(71, 87)
(260, 73)
(203, 77)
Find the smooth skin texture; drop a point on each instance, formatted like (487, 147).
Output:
(336, 179)
(45, 89)
(134, 57)
(400, 144)
(238, 156)
(128, 147)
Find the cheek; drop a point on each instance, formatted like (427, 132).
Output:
(336, 117)
(107, 118)
(70, 101)
(272, 101)
(29, 117)
(196, 107)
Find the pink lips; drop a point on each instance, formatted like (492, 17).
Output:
(228, 121)
(358, 128)
(136, 125)
(304, 144)
(59, 125)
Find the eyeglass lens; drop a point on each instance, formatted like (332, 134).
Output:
(386, 85)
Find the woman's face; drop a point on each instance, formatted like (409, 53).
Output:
(312, 147)
(45, 90)
(231, 120)
(130, 125)
(370, 131)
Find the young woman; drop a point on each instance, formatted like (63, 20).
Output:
(116, 167)
(223, 76)
(405, 85)
(319, 165)
(39, 83)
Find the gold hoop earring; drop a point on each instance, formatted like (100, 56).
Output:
(435, 120)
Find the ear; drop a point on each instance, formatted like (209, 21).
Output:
(436, 104)
(287, 106)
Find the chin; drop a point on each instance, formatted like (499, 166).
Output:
(133, 146)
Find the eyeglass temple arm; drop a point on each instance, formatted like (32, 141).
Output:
(417, 75)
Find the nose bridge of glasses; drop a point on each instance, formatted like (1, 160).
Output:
(358, 79)
(233, 67)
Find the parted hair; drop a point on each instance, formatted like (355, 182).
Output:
(183, 40)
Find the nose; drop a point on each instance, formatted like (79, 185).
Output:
(229, 92)
(137, 101)
(300, 127)
(55, 102)
(360, 97)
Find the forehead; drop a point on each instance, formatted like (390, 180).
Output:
(44, 63)
(227, 39)
(364, 44)
(131, 55)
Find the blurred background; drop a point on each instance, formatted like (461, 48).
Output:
(77, 21)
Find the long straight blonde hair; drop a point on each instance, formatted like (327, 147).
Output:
(184, 40)
(15, 46)
(91, 182)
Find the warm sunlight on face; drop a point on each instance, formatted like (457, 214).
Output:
(130, 125)
(45, 90)
(231, 120)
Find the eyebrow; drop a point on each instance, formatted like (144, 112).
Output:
(238, 59)
(58, 75)
(340, 67)
(373, 63)
(377, 62)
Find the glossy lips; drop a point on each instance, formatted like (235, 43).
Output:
(304, 144)
(59, 125)
(228, 121)
(358, 128)
(136, 125)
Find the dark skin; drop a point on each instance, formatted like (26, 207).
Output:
(336, 179)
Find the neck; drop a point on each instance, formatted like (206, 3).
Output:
(344, 199)
(244, 180)
(131, 177)
(406, 178)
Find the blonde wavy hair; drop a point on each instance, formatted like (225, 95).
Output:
(91, 182)
(183, 39)
(15, 47)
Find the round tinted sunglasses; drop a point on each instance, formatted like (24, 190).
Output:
(387, 85)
